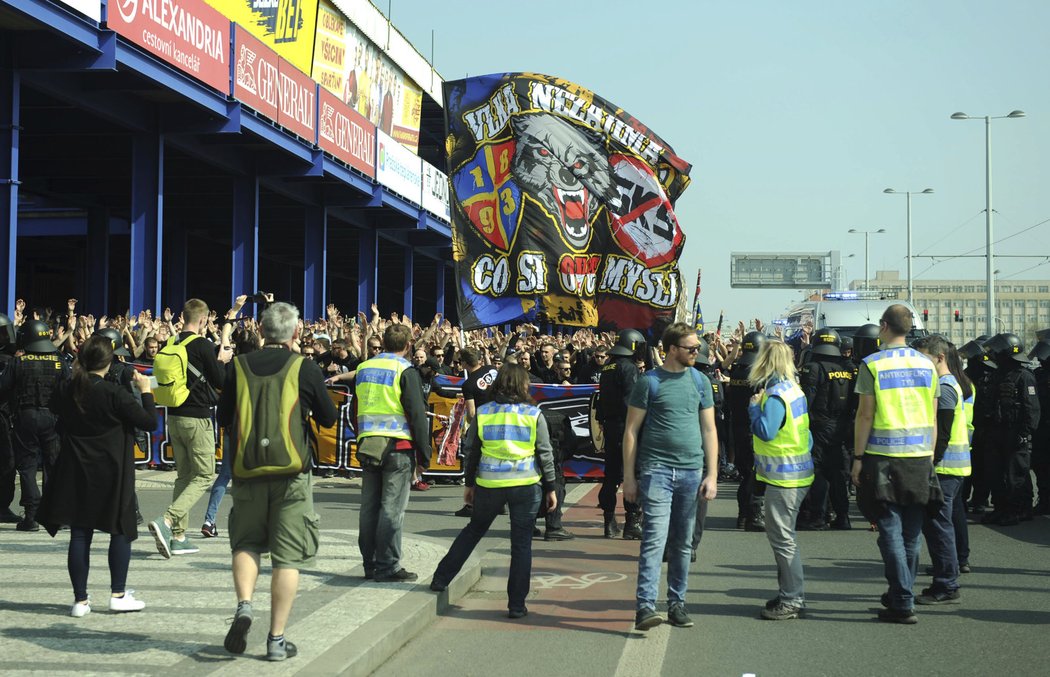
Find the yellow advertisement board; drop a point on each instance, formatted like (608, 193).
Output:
(352, 67)
(287, 26)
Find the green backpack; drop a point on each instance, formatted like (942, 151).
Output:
(270, 439)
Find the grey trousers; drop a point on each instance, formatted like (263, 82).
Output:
(782, 504)
(384, 497)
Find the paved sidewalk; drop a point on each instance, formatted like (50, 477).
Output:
(341, 623)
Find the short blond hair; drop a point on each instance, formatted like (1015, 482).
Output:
(194, 311)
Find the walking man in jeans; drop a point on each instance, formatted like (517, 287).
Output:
(670, 410)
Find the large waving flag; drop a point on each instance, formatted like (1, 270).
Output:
(562, 206)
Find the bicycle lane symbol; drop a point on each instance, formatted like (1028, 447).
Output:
(546, 581)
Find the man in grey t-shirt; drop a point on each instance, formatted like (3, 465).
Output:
(669, 409)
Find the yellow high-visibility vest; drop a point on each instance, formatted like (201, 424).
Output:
(785, 460)
(956, 459)
(905, 406)
(378, 394)
(508, 445)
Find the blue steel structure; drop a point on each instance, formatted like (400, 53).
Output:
(130, 185)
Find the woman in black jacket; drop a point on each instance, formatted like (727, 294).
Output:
(93, 487)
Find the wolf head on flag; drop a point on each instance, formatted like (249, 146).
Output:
(562, 206)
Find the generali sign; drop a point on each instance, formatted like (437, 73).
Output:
(273, 86)
(346, 134)
(188, 34)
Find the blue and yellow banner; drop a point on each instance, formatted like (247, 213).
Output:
(286, 26)
(562, 206)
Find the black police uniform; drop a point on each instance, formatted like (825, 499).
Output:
(1016, 418)
(7, 455)
(978, 485)
(1041, 440)
(828, 382)
(28, 384)
(738, 394)
(617, 380)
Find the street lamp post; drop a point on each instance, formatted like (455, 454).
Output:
(866, 234)
(909, 193)
(990, 254)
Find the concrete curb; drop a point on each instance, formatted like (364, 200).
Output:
(369, 646)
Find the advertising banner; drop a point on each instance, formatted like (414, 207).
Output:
(256, 80)
(353, 68)
(562, 207)
(286, 26)
(90, 8)
(435, 191)
(398, 168)
(190, 35)
(344, 133)
(297, 109)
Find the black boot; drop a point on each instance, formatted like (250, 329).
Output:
(632, 528)
(612, 529)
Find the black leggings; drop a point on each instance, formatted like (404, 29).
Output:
(79, 561)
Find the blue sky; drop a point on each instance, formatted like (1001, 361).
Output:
(796, 115)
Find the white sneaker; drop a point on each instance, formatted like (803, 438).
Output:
(126, 603)
(80, 609)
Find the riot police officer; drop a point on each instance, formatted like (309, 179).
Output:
(980, 368)
(827, 381)
(7, 458)
(738, 398)
(1041, 441)
(617, 379)
(1016, 418)
(28, 383)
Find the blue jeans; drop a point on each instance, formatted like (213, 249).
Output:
(940, 537)
(668, 497)
(384, 498)
(899, 529)
(523, 503)
(218, 489)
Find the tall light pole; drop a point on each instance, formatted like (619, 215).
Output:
(866, 234)
(990, 254)
(909, 193)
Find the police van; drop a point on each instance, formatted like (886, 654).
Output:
(845, 312)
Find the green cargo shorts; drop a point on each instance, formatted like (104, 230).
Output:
(276, 516)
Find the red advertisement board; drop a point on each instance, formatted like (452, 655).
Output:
(188, 34)
(297, 104)
(256, 81)
(346, 134)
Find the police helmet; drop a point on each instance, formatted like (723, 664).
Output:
(982, 339)
(750, 346)
(1007, 346)
(847, 344)
(629, 343)
(826, 342)
(114, 337)
(1041, 351)
(865, 341)
(7, 331)
(35, 337)
(971, 349)
(703, 354)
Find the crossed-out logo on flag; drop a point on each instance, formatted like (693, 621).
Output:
(562, 206)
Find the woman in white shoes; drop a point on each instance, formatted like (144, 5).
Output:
(93, 487)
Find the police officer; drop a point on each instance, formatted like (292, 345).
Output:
(28, 383)
(704, 366)
(617, 379)
(7, 458)
(738, 398)
(827, 381)
(980, 368)
(1016, 419)
(1041, 442)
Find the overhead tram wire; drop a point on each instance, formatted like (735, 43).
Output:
(979, 248)
(950, 233)
(1025, 270)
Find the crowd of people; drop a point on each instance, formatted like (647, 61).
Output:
(800, 423)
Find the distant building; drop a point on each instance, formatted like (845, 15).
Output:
(1022, 306)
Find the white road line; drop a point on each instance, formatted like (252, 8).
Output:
(643, 653)
(578, 492)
